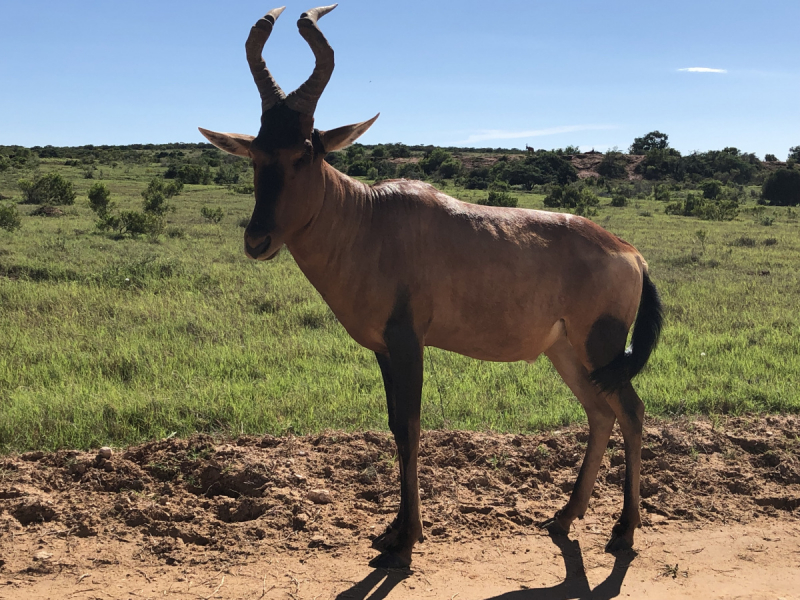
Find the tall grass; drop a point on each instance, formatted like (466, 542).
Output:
(114, 341)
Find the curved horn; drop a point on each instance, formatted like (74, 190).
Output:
(270, 91)
(304, 99)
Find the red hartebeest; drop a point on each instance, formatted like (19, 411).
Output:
(529, 149)
(404, 266)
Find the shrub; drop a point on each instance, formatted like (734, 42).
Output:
(721, 209)
(226, 175)
(212, 215)
(499, 199)
(386, 170)
(360, 168)
(661, 192)
(410, 170)
(613, 166)
(711, 189)
(100, 199)
(782, 187)
(770, 158)
(244, 188)
(5, 163)
(450, 168)
(619, 200)
(433, 160)
(136, 223)
(195, 174)
(51, 189)
(372, 173)
(477, 179)
(794, 153)
(535, 169)
(9, 217)
(157, 193)
(582, 199)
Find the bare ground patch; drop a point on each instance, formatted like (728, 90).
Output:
(207, 506)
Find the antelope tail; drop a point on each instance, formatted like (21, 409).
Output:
(646, 331)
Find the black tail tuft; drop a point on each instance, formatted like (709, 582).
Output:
(646, 331)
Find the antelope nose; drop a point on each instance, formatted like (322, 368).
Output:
(255, 247)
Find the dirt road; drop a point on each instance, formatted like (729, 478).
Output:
(293, 517)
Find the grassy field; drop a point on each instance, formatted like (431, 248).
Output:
(114, 341)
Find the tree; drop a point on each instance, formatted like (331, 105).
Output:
(794, 153)
(52, 189)
(9, 217)
(100, 199)
(782, 187)
(711, 189)
(770, 158)
(655, 140)
(157, 193)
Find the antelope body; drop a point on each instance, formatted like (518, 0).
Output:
(404, 266)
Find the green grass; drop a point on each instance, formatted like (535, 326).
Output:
(106, 341)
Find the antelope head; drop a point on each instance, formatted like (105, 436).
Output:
(288, 152)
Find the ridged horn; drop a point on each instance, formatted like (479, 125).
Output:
(304, 99)
(270, 91)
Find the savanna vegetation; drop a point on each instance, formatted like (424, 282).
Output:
(128, 310)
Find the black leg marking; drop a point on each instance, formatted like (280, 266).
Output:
(606, 340)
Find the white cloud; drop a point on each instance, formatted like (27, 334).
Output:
(499, 134)
(703, 70)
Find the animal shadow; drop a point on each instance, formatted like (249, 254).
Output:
(366, 590)
(575, 585)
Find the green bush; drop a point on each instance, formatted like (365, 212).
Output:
(244, 188)
(136, 223)
(794, 153)
(613, 165)
(51, 189)
(100, 199)
(770, 158)
(720, 209)
(661, 192)
(9, 217)
(582, 199)
(619, 200)
(195, 174)
(5, 163)
(158, 192)
(433, 160)
(782, 187)
(450, 168)
(212, 215)
(711, 189)
(359, 168)
(535, 169)
(226, 175)
(499, 199)
(410, 170)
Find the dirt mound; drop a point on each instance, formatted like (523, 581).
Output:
(47, 211)
(206, 500)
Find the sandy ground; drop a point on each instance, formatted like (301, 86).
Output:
(294, 517)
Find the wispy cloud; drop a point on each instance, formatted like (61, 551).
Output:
(500, 134)
(703, 70)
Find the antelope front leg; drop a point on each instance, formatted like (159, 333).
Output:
(387, 538)
(405, 368)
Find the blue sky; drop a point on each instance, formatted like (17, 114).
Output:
(502, 73)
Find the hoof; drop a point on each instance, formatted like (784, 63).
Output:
(390, 560)
(618, 543)
(553, 527)
(385, 540)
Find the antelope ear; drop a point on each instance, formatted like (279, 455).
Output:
(232, 143)
(341, 137)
